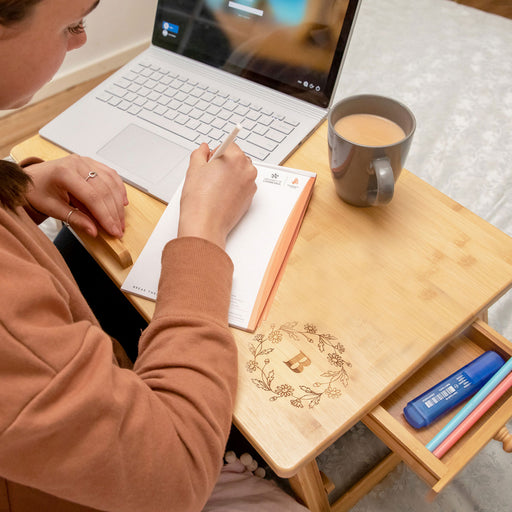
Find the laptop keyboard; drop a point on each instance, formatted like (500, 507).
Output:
(196, 111)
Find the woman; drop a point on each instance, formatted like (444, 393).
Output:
(77, 430)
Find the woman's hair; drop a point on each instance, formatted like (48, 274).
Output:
(14, 182)
(12, 11)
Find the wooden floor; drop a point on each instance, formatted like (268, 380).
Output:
(500, 7)
(26, 122)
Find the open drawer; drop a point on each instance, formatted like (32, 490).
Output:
(388, 423)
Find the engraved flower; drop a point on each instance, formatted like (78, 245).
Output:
(297, 403)
(284, 390)
(252, 366)
(310, 328)
(333, 392)
(259, 337)
(335, 359)
(275, 336)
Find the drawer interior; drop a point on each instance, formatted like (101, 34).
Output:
(388, 423)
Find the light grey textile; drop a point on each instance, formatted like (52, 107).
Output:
(452, 65)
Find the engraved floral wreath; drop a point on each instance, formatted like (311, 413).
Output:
(310, 397)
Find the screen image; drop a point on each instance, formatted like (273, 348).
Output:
(294, 46)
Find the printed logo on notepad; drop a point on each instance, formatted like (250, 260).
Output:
(274, 178)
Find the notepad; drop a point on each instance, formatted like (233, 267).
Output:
(259, 245)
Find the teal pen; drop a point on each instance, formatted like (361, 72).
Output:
(470, 406)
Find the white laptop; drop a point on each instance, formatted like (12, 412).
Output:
(271, 66)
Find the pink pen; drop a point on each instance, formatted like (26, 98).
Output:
(474, 416)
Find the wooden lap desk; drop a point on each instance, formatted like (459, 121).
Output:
(375, 305)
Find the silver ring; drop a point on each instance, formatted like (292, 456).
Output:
(73, 210)
(92, 174)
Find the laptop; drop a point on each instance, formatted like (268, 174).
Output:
(271, 66)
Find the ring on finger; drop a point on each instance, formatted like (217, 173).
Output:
(68, 216)
(92, 174)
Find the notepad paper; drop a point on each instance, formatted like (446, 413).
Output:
(258, 246)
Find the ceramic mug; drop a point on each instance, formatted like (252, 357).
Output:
(368, 158)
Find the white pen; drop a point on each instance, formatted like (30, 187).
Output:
(226, 142)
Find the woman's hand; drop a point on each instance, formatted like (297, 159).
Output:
(79, 191)
(216, 194)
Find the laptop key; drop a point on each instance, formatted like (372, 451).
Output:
(181, 118)
(282, 126)
(275, 135)
(134, 110)
(116, 90)
(262, 142)
(215, 133)
(218, 123)
(114, 101)
(123, 83)
(104, 96)
(169, 125)
(252, 150)
(160, 110)
(124, 105)
(260, 129)
(253, 115)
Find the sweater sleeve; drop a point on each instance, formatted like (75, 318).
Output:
(88, 431)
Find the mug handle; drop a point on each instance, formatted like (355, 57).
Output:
(385, 182)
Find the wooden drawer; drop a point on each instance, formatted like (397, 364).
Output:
(388, 423)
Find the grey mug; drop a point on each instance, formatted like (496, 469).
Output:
(366, 175)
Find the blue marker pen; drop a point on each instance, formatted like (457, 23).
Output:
(450, 392)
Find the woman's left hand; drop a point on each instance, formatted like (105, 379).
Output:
(78, 191)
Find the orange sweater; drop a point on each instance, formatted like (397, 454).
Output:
(75, 427)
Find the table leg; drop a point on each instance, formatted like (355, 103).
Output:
(366, 484)
(308, 486)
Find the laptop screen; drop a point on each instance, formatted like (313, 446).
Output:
(293, 46)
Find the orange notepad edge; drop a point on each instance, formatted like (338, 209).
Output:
(279, 258)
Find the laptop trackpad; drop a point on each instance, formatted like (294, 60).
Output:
(145, 154)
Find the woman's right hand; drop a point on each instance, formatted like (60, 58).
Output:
(216, 194)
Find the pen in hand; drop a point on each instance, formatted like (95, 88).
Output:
(226, 142)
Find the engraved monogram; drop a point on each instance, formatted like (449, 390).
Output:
(328, 385)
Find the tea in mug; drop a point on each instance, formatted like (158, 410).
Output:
(369, 130)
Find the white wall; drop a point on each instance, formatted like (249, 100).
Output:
(117, 30)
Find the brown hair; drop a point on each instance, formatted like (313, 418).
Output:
(14, 182)
(12, 11)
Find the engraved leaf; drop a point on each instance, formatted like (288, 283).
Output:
(260, 384)
(344, 379)
(330, 374)
(289, 326)
(314, 402)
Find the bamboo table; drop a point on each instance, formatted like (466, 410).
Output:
(368, 297)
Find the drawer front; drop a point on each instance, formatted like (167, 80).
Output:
(388, 423)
